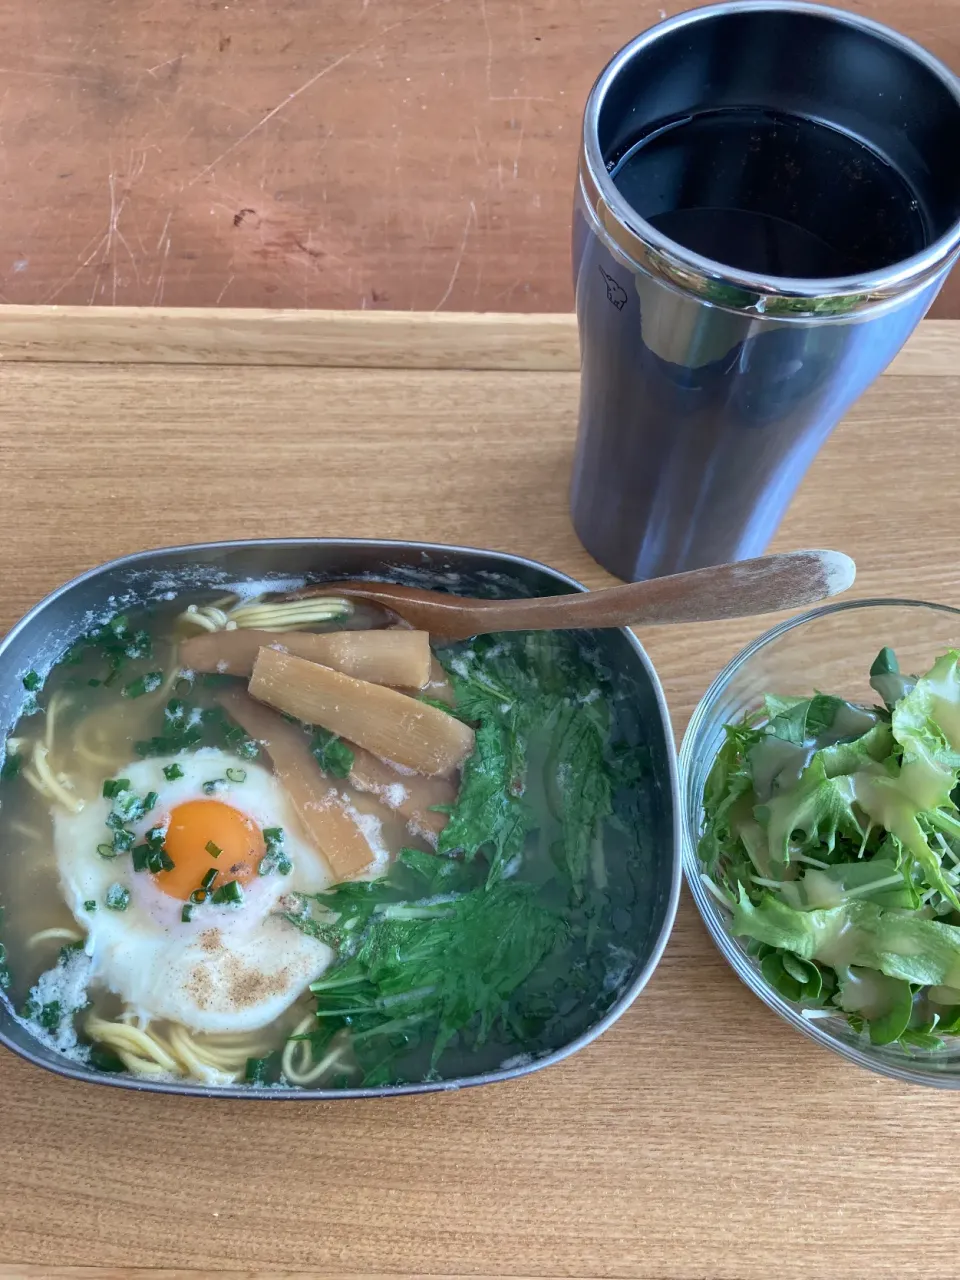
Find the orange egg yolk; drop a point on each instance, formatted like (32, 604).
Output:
(197, 830)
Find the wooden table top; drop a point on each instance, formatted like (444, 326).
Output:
(700, 1137)
(375, 153)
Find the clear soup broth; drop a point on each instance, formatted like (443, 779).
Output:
(292, 843)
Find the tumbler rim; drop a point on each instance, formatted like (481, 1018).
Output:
(715, 282)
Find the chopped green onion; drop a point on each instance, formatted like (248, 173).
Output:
(155, 836)
(149, 800)
(11, 765)
(248, 750)
(440, 808)
(187, 913)
(198, 896)
(141, 857)
(112, 787)
(128, 806)
(90, 904)
(172, 772)
(3, 953)
(94, 683)
(213, 849)
(331, 754)
(276, 859)
(229, 892)
(159, 860)
(32, 681)
(213, 786)
(209, 878)
(49, 1015)
(148, 683)
(114, 821)
(117, 897)
(107, 851)
(123, 841)
(237, 775)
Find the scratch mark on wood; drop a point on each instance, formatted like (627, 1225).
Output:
(471, 218)
(151, 71)
(158, 291)
(308, 84)
(224, 290)
(166, 227)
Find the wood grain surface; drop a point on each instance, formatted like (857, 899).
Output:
(312, 153)
(700, 1137)
(341, 339)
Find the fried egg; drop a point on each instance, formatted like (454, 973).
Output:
(231, 966)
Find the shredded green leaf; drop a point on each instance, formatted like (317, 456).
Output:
(441, 963)
(833, 832)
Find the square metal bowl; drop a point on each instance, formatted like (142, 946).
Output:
(41, 637)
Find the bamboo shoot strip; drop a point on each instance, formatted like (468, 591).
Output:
(326, 816)
(412, 796)
(393, 657)
(391, 725)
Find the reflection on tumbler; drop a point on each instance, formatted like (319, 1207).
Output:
(698, 424)
(755, 237)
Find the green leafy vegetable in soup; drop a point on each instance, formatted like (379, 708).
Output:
(414, 865)
(831, 831)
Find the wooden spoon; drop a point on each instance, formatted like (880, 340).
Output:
(766, 584)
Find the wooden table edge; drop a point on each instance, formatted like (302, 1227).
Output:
(46, 1271)
(341, 339)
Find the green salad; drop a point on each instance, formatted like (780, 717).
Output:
(831, 831)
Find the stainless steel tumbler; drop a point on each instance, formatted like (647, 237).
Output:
(768, 202)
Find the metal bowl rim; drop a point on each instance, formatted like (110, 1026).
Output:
(76, 1072)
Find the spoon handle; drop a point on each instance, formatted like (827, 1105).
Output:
(767, 584)
(788, 580)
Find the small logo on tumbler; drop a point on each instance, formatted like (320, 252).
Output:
(615, 292)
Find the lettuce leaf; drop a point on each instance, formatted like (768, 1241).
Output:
(813, 813)
(901, 944)
(926, 724)
(880, 880)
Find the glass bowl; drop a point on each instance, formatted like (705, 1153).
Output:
(829, 650)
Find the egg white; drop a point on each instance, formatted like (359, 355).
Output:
(231, 968)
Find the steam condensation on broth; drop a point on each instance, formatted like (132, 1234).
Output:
(197, 885)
